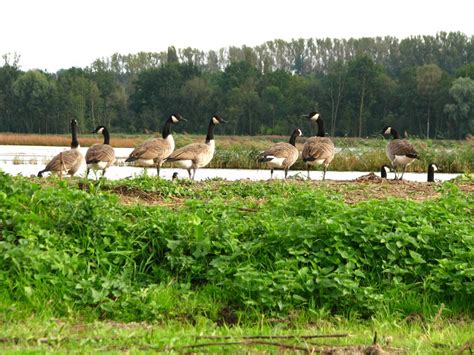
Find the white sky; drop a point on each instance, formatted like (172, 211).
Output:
(56, 34)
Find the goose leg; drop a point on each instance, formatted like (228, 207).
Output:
(189, 172)
(403, 172)
(158, 167)
(62, 166)
(87, 173)
(271, 174)
(103, 173)
(194, 172)
(395, 172)
(286, 173)
(307, 167)
(324, 172)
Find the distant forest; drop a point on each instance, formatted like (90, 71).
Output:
(421, 85)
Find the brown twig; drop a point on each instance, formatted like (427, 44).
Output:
(440, 311)
(245, 209)
(270, 336)
(251, 342)
(467, 346)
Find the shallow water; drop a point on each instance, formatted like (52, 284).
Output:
(28, 160)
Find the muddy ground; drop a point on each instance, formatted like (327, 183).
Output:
(365, 188)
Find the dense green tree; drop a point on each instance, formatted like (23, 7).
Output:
(461, 110)
(428, 78)
(334, 84)
(34, 92)
(362, 75)
(358, 84)
(466, 71)
(8, 75)
(159, 93)
(197, 105)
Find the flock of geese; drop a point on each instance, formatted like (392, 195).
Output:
(317, 150)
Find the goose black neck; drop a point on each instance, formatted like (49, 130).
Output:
(430, 174)
(210, 132)
(74, 141)
(167, 129)
(106, 134)
(321, 131)
(293, 138)
(395, 134)
(383, 172)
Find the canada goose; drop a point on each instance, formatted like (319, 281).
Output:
(431, 170)
(282, 155)
(67, 162)
(320, 149)
(197, 155)
(384, 170)
(154, 152)
(399, 151)
(100, 156)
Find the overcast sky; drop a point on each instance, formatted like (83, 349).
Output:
(56, 34)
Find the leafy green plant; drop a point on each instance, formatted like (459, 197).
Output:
(254, 248)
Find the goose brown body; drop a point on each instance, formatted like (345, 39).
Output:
(282, 155)
(154, 151)
(318, 150)
(197, 155)
(69, 161)
(100, 156)
(400, 152)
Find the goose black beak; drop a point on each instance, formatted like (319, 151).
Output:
(223, 121)
(183, 119)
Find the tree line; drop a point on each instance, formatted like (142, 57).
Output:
(422, 85)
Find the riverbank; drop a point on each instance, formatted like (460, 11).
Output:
(238, 152)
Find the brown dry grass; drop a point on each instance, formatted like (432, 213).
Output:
(62, 140)
(130, 141)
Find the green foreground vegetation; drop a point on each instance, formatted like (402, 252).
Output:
(80, 266)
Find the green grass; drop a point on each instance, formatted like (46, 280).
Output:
(427, 336)
(230, 258)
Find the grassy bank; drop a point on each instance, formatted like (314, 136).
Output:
(242, 151)
(292, 334)
(281, 258)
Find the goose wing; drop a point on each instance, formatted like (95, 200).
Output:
(69, 161)
(100, 153)
(402, 147)
(189, 152)
(281, 150)
(318, 148)
(154, 148)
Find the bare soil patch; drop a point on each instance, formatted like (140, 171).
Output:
(358, 191)
(352, 191)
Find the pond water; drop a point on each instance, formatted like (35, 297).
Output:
(28, 160)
